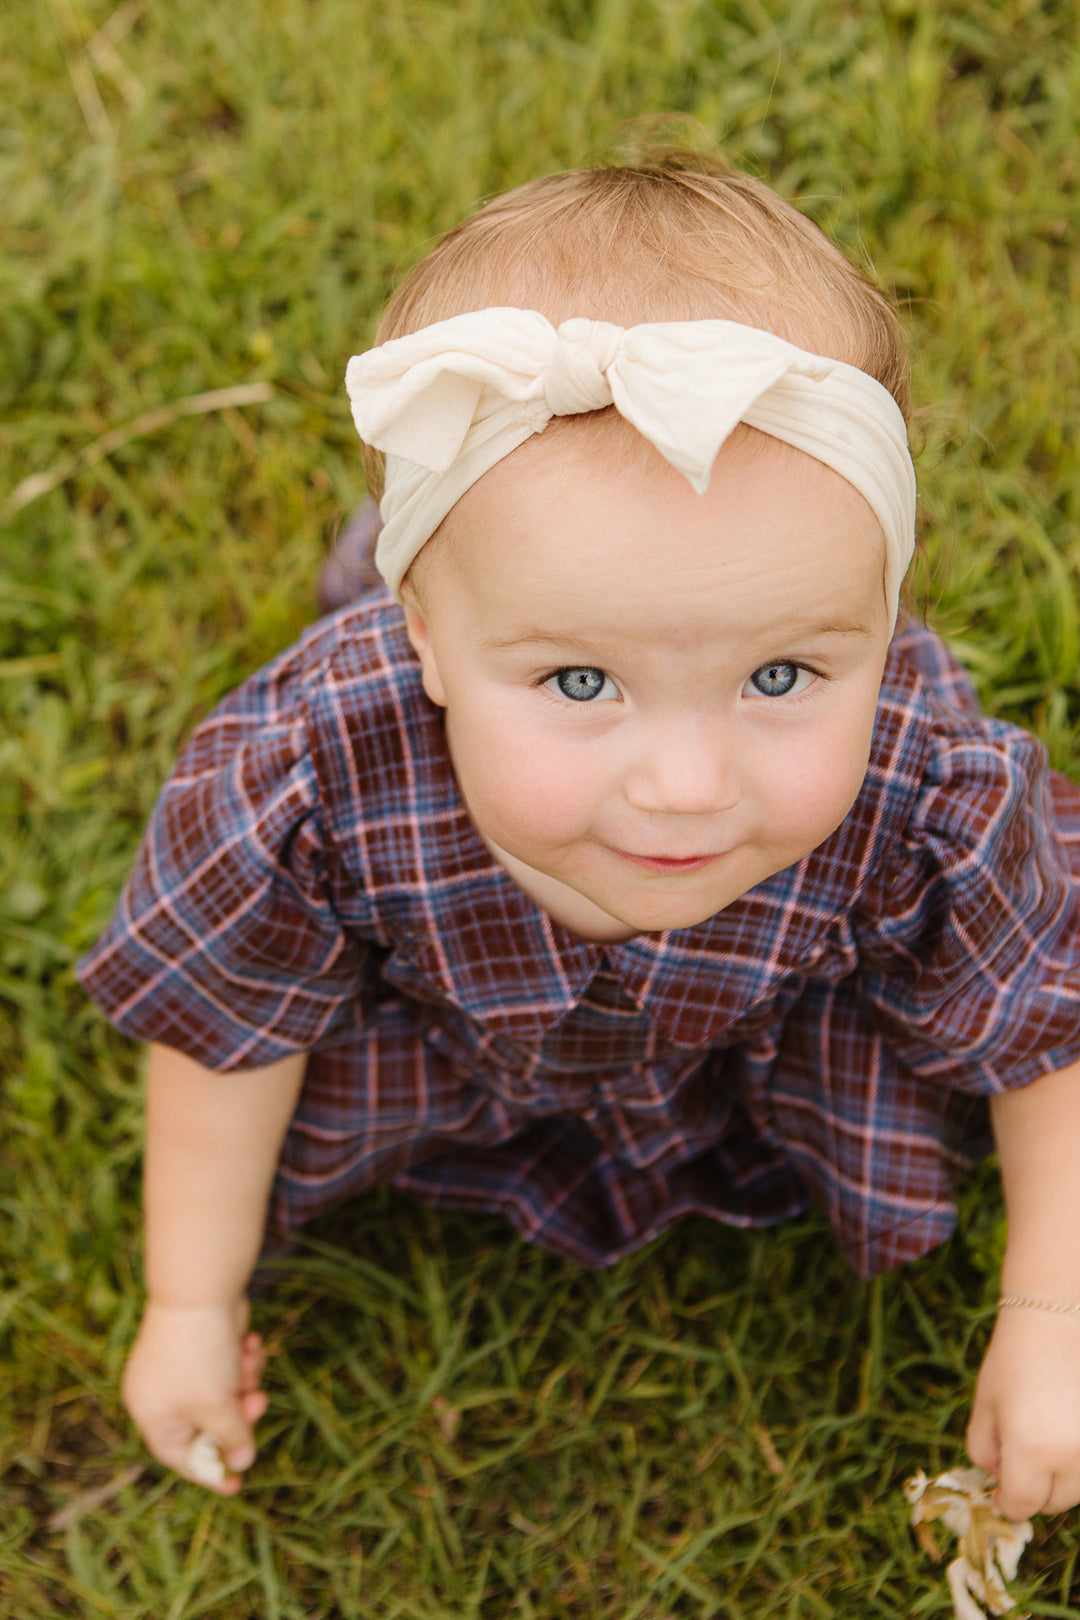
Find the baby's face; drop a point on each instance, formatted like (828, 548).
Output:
(655, 699)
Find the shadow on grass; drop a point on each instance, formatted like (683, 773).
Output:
(461, 1425)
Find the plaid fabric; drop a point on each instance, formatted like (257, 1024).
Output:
(311, 881)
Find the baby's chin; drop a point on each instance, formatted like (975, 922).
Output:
(613, 903)
(658, 913)
(661, 919)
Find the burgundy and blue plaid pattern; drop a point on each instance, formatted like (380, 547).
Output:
(311, 881)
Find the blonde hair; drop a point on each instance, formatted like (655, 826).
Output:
(673, 237)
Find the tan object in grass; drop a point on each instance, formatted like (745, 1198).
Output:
(204, 1461)
(990, 1545)
(218, 399)
(86, 1501)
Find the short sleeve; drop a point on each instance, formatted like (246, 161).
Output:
(969, 934)
(226, 943)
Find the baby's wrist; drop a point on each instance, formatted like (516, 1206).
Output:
(1048, 1305)
(1048, 1269)
(185, 1309)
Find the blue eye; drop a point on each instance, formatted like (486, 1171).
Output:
(777, 680)
(582, 685)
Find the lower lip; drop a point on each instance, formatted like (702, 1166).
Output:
(661, 863)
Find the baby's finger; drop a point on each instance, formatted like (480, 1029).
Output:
(1024, 1488)
(232, 1431)
(1065, 1490)
(180, 1445)
(252, 1362)
(168, 1440)
(983, 1444)
(254, 1404)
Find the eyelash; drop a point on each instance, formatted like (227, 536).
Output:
(800, 664)
(558, 697)
(796, 663)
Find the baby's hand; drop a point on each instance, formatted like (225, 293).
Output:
(193, 1370)
(1025, 1421)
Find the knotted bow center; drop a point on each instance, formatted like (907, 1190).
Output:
(575, 377)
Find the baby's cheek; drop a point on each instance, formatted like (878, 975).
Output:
(829, 776)
(535, 792)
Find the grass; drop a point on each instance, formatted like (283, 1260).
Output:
(202, 196)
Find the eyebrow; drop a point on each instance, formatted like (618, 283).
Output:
(542, 638)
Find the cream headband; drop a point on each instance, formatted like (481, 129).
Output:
(447, 403)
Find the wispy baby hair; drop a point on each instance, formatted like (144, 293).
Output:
(673, 237)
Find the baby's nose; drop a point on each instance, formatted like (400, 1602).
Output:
(687, 768)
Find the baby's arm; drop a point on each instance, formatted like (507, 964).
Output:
(212, 1145)
(1025, 1423)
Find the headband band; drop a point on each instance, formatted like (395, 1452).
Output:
(448, 402)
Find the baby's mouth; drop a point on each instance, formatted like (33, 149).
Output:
(668, 863)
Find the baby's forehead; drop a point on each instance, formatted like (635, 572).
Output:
(576, 538)
(552, 473)
(573, 451)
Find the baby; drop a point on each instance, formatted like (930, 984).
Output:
(622, 859)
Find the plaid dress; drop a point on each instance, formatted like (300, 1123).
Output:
(311, 881)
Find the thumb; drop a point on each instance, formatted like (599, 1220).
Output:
(982, 1439)
(228, 1424)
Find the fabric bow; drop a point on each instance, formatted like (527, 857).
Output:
(449, 401)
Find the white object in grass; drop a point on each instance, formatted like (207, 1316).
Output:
(204, 1461)
(990, 1545)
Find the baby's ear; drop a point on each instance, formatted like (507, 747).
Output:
(417, 628)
